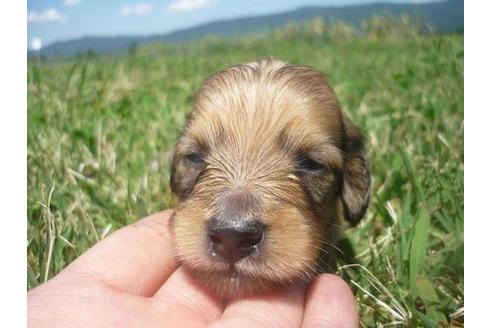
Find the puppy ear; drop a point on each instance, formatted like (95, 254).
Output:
(356, 183)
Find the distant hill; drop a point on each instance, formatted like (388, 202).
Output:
(444, 17)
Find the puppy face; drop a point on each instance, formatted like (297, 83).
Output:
(265, 163)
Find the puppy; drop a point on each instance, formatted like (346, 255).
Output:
(266, 171)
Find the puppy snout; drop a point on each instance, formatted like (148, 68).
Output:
(233, 240)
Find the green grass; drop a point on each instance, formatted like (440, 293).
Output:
(101, 131)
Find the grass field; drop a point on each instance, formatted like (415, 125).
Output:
(101, 131)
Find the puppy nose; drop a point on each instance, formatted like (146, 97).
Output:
(235, 239)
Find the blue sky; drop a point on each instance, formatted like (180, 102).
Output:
(54, 20)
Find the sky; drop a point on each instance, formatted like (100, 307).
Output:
(56, 20)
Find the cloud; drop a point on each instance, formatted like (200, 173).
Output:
(36, 44)
(49, 15)
(71, 2)
(140, 9)
(189, 5)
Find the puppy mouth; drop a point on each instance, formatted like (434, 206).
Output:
(241, 263)
(234, 272)
(246, 273)
(234, 262)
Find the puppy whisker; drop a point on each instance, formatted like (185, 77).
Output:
(338, 249)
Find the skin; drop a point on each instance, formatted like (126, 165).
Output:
(131, 279)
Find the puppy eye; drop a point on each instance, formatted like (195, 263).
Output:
(195, 158)
(308, 164)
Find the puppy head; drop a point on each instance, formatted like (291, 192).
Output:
(261, 165)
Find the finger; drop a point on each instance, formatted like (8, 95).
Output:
(181, 291)
(83, 305)
(281, 308)
(136, 259)
(330, 303)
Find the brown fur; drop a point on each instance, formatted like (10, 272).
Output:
(251, 126)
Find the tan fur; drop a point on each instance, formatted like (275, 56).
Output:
(251, 123)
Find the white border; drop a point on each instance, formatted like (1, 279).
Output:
(13, 150)
(478, 182)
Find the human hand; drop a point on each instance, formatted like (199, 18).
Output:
(130, 279)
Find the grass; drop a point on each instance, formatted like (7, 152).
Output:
(101, 131)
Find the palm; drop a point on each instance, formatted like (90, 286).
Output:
(129, 280)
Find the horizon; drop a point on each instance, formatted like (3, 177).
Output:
(52, 21)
